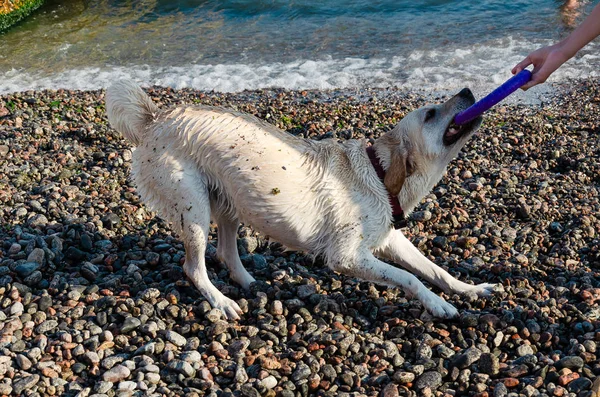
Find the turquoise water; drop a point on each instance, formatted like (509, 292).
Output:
(242, 44)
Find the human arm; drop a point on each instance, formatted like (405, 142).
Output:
(547, 59)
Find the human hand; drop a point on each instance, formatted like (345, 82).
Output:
(545, 61)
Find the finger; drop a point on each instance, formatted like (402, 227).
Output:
(527, 86)
(536, 79)
(538, 75)
(522, 65)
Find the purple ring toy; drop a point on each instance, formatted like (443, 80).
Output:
(484, 104)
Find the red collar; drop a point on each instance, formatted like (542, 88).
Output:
(397, 212)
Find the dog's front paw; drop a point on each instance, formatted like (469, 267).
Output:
(228, 307)
(437, 306)
(484, 289)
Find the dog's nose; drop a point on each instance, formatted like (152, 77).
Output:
(467, 94)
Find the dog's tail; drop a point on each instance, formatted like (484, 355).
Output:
(129, 110)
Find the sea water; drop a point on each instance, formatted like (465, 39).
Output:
(234, 45)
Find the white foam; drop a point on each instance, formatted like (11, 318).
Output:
(481, 68)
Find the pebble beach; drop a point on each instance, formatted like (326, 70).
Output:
(94, 301)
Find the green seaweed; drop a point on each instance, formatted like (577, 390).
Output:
(18, 11)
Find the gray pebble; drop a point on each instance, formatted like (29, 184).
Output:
(302, 371)
(130, 324)
(46, 326)
(23, 362)
(430, 379)
(181, 367)
(306, 290)
(175, 338)
(25, 383)
(468, 357)
(571, 362)
(116, 374)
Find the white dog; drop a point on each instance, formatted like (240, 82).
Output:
(196, 163)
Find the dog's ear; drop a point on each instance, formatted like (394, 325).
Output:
(396, 173)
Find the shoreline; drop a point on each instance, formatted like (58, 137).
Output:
(534, 97)
(95, 301)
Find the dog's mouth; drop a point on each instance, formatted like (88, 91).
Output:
(455, 132)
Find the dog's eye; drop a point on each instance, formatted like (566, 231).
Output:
(429, 115)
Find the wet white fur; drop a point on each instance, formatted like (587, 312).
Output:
(196, 164)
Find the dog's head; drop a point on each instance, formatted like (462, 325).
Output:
(421, 145)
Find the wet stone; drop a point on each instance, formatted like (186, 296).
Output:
(36, 256)
(529, 360)
(130, 324)
(469, 319)
(259, 262)
(304, 291)
(421, 216)
(302, 371)
(34, 278)
(153, 258)
(390, 390)
(74, 253)
(25, 384)
(18, 346)
(89, 271)
(37, 220)
(46, 326)
(15, 248)
(571, 362)
(182, 367)
(162, 247)
(468, 357)
(579, 385)
(150, 294)
(44, 303)
(111, 221)
(102, 318)
(403, 377)
(489, 364)
(430, 379)
(249, 391)
(26, 269)
(86, 242)
(440, 241)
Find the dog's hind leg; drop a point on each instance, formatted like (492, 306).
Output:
(401, 251)
(194, 224)
(227, 251)
(195, 236)
(366, 267)
(179, 192)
